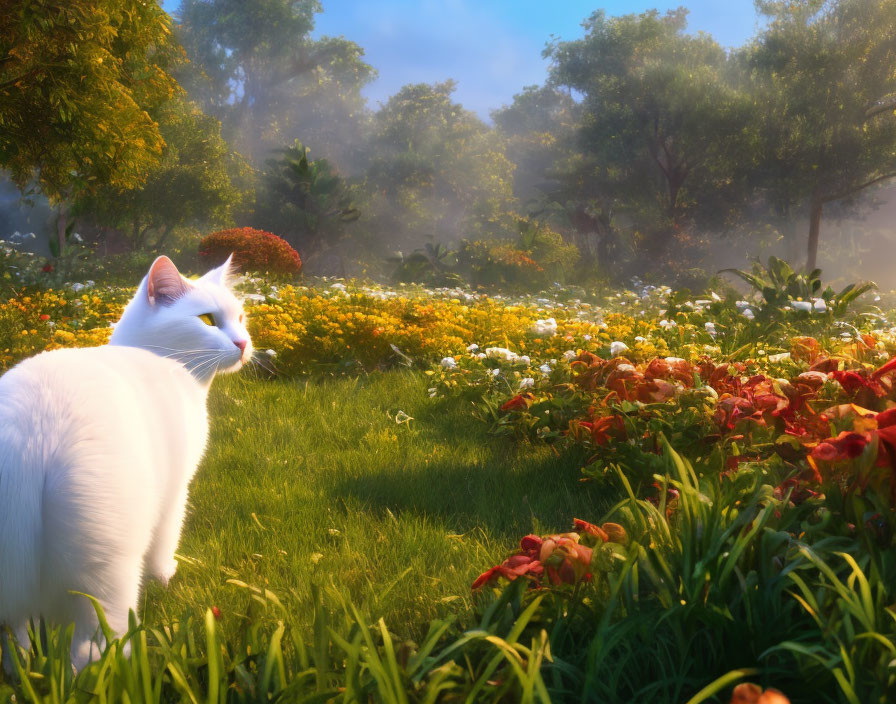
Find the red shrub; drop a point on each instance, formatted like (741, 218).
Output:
(253, 250)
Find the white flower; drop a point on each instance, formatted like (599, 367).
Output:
(545, 328)
(254, 297)
(714, 296)
(527, 383)
(742, 304)
(710, 328)
(784, 356)
(587, 338)
(473, 347)
(617, 348)
(569, 355)
(748, 314)
(802, 305)
(76, 287)
(481, 355)
(338, 287)
(819, 305)
(674, 360)
(545, 369)
(640, 339)
(668, 324)
(702, 302)
(626, 368)
(448, 363)
(76, 237)
(495, 372)
(270, 353)
(524, 359)
(502, 353)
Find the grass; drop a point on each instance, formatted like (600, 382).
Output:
(316, 482)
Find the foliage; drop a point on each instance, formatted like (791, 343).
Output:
(540, 127)
(663, 122)
(252, 250)
(346, 656)
(308, 202)
(826, 97)
(435, 170)
(781, 286)
(432, 265)
(77, 80)
(197, 182)
(257, 68)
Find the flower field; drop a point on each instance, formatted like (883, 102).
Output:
(743, 448)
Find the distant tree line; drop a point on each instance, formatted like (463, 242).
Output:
(644, 141)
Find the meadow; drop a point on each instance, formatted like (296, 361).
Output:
(444, 495)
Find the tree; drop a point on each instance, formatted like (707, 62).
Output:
(198, 182)
(77, 78)
(539, 127)
(824, 78)
(256, 67)
(436, 170)
(663, 120)
(306, 202)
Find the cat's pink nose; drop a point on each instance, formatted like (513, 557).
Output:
(241, 344)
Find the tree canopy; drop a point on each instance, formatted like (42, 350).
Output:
(824, 78)
(78, 80)
(257, 68)
(646, 144)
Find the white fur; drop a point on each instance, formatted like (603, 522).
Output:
(97, 449)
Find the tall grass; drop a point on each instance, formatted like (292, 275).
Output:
(389, 501)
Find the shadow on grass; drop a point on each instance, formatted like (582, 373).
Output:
(507, 490)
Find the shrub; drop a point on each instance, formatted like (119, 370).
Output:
(253, 250)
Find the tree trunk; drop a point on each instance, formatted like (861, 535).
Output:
(61, 226)
(814, 228)
(163, 238)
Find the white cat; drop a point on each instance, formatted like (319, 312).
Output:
(97, 449)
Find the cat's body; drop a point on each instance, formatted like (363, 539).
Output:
(97, 450)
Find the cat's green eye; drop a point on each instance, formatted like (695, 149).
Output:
(208, 319)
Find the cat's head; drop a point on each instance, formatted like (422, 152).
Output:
(199, 323)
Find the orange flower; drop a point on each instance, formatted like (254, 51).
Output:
(748, 693)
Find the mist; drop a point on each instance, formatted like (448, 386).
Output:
(694, 166)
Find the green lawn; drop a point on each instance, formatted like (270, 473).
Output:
(314, 482)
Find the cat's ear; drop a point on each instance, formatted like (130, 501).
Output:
(222, 274)
(164, 284)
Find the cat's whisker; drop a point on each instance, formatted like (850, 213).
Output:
(208, 363)
(257, 359)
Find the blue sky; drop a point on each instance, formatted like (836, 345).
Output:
(492, 48)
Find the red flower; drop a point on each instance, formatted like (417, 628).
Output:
(47, 268)
(216, 612)
(601, 427)
(44, 316)
(520, 402)
(846, 445)
(886, 418)
(851, 381)
(800, 492)
(886, 369)
(590, 529)
(490, 575)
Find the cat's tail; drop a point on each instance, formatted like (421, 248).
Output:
(21, 490)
